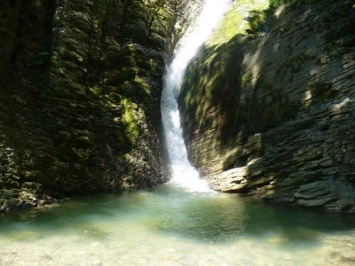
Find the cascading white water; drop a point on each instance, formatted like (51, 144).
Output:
(183, 173)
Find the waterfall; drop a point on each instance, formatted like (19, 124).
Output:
(183, 173)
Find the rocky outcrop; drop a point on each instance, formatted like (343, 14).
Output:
(270, 111)
(80, 96)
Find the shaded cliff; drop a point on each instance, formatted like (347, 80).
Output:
(80, 96)
(268, 104)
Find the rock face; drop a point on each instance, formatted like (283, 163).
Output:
(271, 113)
(80, 96)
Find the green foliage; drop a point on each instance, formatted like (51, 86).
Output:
(276, 3)
(234, 22)
(257, 20)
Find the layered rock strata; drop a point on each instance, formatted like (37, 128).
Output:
(80, 96)
(271, 113)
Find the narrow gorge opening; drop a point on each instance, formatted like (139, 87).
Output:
(182, 173)
(181, 222)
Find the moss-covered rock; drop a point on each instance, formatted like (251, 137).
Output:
(80, 96)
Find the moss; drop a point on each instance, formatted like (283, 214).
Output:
(143, 84)
(95, 90)
(56, 63)
(130, 119)
(276, 3)
(257, 20)
(245, 80)
(128, 73)
(235, 21)
(154, 67)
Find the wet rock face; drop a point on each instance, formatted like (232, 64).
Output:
(80, 97)
(278, 122)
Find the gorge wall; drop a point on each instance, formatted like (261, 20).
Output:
(268, 104)
(80, 95)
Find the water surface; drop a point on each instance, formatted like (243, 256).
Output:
(169, 226)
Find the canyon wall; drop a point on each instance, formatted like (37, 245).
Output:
(80, 96)
(268, 104)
